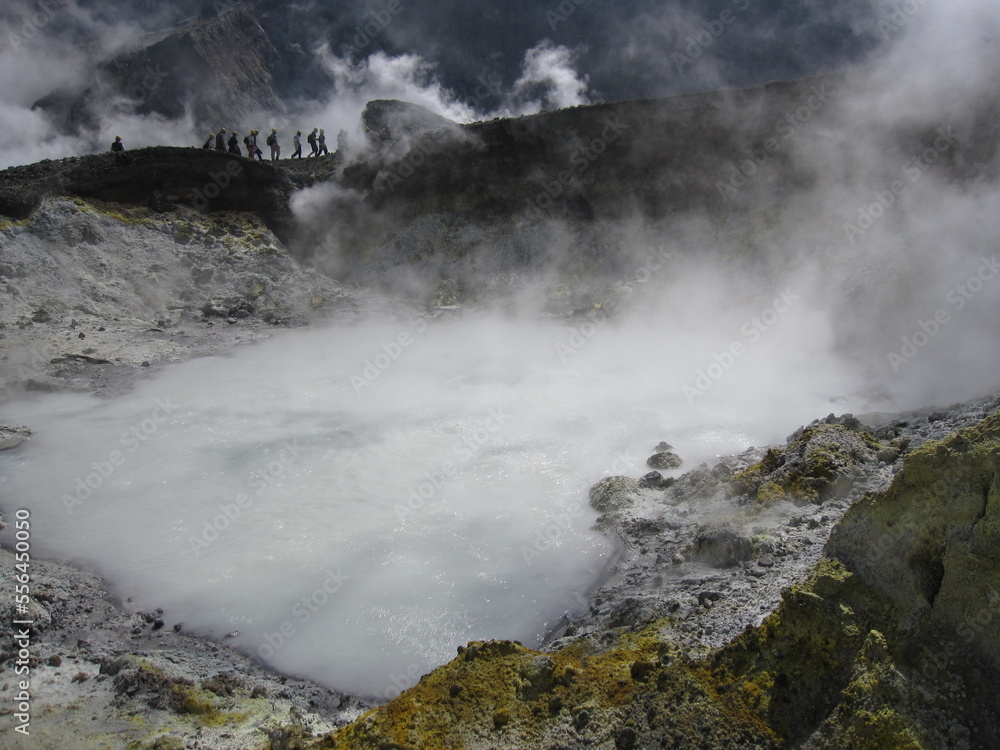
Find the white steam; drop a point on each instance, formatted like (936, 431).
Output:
(548, 81)
(54, 47)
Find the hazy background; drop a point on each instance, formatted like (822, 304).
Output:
(466, 60)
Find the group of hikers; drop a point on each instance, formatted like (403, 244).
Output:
(316, 140)
(218, 142)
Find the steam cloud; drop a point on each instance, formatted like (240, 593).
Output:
(880, 281)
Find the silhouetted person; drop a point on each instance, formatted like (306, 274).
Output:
(210, 143)
(234, 144)
(297, 142)
(342, 141)
(321, 140)
(312, 142)
(118, 145)
(256, 149)
(220, 140)
(272, 141)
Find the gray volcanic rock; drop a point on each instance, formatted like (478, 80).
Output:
(12, 436)
(614, 493)
(664, 460)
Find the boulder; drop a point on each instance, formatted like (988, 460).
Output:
(664, 460)
(614, 493)
(721, 547)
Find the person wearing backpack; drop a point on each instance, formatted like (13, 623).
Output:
(272, 141)
(312, 142)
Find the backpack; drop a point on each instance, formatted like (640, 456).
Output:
(311, 138)
(246, 141)
(271, 139)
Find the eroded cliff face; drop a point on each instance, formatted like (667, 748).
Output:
(219, 70)
(890, 643)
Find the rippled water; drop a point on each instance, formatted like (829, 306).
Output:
(358, 501)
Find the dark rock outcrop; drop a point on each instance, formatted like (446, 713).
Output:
(158, 178)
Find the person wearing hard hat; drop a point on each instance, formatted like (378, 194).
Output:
(118, 145)
(312, 142)
(234, 144)
(272, 141)
(210, 143)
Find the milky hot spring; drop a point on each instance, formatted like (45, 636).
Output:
(354, 502)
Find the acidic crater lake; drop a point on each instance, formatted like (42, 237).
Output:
(358, 501)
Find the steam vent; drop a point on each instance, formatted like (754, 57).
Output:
(581, 376)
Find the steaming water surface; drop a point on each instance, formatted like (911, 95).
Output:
(358, 501)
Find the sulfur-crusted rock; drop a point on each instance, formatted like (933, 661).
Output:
(815, 466)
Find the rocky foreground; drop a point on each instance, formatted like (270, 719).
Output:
(748, 633)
